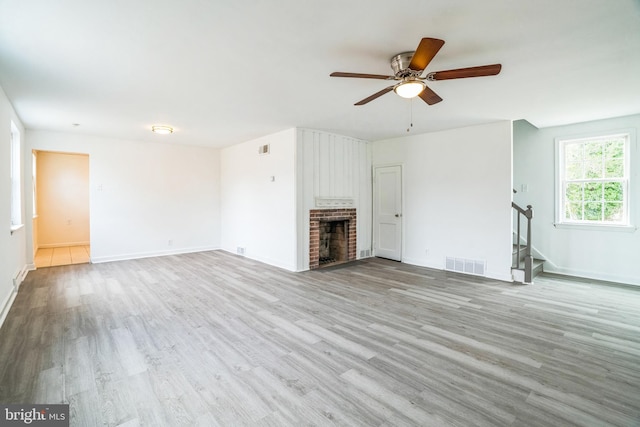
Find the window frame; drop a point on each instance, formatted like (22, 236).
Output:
(17, 220)
(629, 202)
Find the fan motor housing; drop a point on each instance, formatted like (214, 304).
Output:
(400, 64)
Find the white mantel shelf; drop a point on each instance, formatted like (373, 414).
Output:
(333, 202)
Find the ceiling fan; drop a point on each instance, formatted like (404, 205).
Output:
(408, 68)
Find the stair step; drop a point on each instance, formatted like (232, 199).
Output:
(515, 248)
(535, 264)
(514, 255)
(537, 267)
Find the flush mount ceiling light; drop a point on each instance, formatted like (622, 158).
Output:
(409, 88)
(163, 130)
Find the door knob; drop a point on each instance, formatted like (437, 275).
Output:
(398, 215)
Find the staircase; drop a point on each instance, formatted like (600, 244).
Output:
(518, 268)
(524, 267)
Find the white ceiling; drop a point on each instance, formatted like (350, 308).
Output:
(226, 71)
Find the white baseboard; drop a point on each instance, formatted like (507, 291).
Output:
(506, 277)
(422, 263)
(499, 276)
(551, 267)
(138, 255)
(17, 280)
(267, 260)
(6, 305)
(627, 280)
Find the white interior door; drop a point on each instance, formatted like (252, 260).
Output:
(387, 212)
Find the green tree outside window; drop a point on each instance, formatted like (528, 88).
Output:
(595, 180)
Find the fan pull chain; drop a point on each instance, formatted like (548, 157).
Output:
(410, 115)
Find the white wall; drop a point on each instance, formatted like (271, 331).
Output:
(456, 195)
(591, 253)
(144, 195)
(337, 167)
(259, 199)
(12, 245)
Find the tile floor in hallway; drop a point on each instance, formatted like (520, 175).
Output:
(49, 257)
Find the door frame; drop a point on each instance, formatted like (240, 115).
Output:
(33, 240)
(373, 205)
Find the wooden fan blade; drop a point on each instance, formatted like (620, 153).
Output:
(429, 96)
(374, 96)
(461, 73)
(425, 52)
(361, 76)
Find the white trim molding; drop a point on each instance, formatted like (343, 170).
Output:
(334, 202)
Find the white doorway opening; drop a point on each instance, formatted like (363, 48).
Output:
(61, 232)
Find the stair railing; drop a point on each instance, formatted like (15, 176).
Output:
(528, 258)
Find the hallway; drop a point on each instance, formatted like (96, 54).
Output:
(50, 257)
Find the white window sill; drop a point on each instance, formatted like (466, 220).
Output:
(15, 228)
(596, 227)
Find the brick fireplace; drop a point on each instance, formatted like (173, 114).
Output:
(332, 236)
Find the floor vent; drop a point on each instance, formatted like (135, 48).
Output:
(467, 266)
(366, 253)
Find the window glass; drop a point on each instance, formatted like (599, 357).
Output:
(594, 180)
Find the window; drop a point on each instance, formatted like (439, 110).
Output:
(16, 186)
(594, 180)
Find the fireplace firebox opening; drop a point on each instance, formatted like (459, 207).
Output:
(332, 237)
(333, 242)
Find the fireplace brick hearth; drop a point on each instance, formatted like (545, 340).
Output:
(318, 216)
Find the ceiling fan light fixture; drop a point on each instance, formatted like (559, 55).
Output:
(408, 68)
(409, 88)
(162, 130)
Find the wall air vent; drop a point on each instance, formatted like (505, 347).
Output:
(366, 253)
(263, 149)
(240, 250)
(467, 266)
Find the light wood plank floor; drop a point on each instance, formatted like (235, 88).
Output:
(213, 339)
(65, 255)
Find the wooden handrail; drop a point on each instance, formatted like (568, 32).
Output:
(526, 212)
